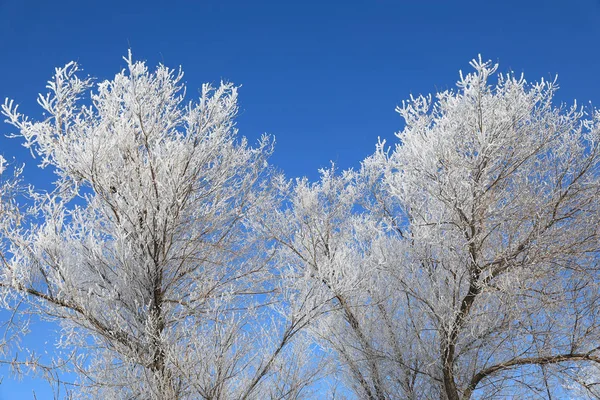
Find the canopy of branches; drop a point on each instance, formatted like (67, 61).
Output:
(460, 263)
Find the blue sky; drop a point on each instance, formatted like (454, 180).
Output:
(323, 76)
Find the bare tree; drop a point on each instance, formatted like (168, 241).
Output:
(144, 250)
(464, 262)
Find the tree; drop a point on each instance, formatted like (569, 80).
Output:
(463, 263)
(144, 250)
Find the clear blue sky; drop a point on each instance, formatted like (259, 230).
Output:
(323, 76)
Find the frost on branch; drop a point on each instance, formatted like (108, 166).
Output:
(460, 263)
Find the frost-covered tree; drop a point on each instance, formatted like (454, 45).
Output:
(463, 263)
(144, 249)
